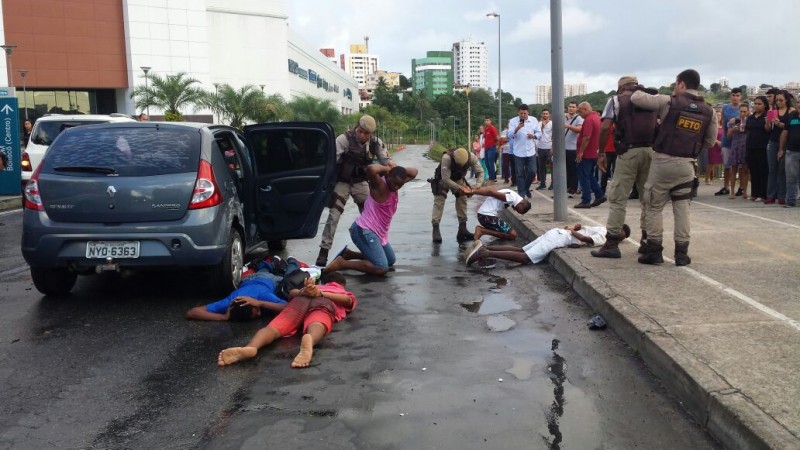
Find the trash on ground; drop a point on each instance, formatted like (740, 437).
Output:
(596, 322)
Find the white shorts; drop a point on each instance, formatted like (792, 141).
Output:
(538, 250)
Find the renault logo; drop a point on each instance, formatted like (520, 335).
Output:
(111, 191)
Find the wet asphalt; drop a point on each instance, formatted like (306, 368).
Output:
(435, 356)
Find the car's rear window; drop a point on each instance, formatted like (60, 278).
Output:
(45, 132)
(128, 152)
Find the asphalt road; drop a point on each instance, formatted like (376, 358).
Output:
(435, 356)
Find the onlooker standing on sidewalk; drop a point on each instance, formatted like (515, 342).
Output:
(776, 183)
(789, 149)
(635, 130)
(715, 153)
(544, 149)
(490, 146)
(757, 140)
(730, 111)
(523, 131)
(482, 153)
(507, 158)
(687, 125)
(588, 152)
(609, 159)
(355, 150)
(737, 153)
(572, 128)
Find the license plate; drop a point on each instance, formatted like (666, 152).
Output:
(112, 249)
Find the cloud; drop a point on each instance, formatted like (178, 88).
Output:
(537, 25)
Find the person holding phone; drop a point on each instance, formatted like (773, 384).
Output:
(736, 153)
(757, 140)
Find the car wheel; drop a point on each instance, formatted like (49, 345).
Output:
(276, 245)
(53, 281)
(228, 273)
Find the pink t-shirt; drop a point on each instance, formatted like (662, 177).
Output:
(377, 217)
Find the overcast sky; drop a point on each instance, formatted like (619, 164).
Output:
(749, 42)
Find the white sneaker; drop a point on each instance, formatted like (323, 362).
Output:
(472, 253)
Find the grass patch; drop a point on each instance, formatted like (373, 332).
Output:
(436, 151)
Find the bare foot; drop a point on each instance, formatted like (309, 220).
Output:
(235, 354)
(478, 233)
(334, 265)
(303, 359)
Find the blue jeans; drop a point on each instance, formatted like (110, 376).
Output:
(776, 181)
(587, 180)
(792, 160)
(491, 163)
(525, 167)
(369, 244)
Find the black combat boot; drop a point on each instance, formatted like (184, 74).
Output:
(322, 258)
(437, 235)
(610, 249)
(652, 253)
(643, 242)
(682, 254)
(463, 234)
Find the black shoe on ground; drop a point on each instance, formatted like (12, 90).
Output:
(723, 191)
(550, 188)
(583, 206)
(599, 201)
(541, 187)
(739, 192)
(634, 196)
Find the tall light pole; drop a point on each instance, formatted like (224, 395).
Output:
(469, 121)
(9, 48)
(22, 73)
(262, 87)
(494, 15)
(146, 69)
(454, 128)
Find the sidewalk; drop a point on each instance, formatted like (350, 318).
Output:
(722, 333)
(10, 202)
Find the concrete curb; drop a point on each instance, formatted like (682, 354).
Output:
(8, 203)
(730, 417)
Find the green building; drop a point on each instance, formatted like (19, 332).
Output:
(433, 74)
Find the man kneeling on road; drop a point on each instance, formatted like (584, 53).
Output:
(537, 251)
(488, 214)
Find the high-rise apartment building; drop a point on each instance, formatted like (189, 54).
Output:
(471, 64)
(358, 63)
(544, 92)
(433, 75)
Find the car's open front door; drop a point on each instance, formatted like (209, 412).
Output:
(295, 171)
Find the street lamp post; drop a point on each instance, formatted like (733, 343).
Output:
(22, 73)
(469, 120)
(499, 78)
(262, 87)
(454, 128)
(146, 69)
(9, 48)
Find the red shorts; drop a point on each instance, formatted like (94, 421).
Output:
(306, 311)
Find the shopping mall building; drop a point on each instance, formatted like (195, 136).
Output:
(86, 56)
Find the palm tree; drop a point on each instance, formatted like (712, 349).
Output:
(273, 108)
(307, 108)
(171, 93)
(233, 106)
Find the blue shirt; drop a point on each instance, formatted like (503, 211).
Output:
(728, 112)
(259, 288)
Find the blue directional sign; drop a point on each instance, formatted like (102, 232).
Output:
(9, 145)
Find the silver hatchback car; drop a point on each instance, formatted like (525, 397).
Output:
(146, 195)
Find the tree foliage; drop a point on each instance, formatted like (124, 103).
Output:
(234, 106)
(170, 93)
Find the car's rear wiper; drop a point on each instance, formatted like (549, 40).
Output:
(86, 169)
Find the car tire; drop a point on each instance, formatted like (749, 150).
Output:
(276, 246)
(227, 274)
(50, 281)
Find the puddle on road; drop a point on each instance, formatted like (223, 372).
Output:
(500, 323)
(492, 304)
(521, 369)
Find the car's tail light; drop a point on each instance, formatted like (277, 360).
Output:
(206, 192)
(26, 163)
(33, 199)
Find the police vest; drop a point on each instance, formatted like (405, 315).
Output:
(635, 127)
(683, 130)
(352, 166)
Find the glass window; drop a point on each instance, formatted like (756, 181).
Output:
(288, 150)
(45, 132)
(124, 151)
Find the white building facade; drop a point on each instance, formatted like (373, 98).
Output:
(471, 64)
(543, 93)
(359, 65)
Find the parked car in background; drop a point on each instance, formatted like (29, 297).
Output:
(141, 195)
(47, 128)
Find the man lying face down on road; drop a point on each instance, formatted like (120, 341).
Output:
(265, 291)
(315, 308)
(537, 251)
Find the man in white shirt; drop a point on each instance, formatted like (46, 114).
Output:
(488, 214)
(537, 251)
(523, 131)
(544, 149)
(572, 128)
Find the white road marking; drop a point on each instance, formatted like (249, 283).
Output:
(12, 211)
(708, 280)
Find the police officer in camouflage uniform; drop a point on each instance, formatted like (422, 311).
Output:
(355, 150)
(450, 176)
(688, 126)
